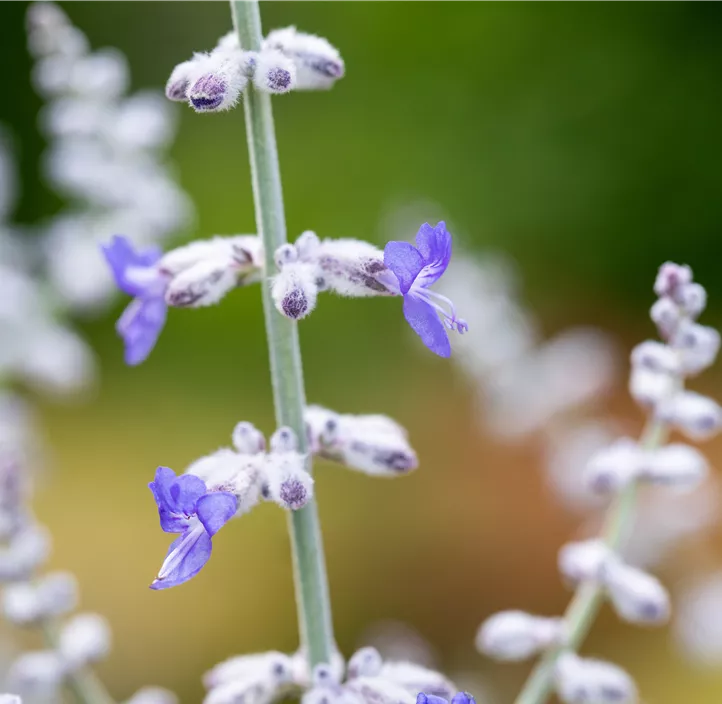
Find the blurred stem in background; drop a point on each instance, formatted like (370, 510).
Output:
(588, 599)
(312, 597)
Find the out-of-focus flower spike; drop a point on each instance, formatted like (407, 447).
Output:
(583, 681)
(415, 678)
(10, 699)
(103, 75)
(85, 638)
(637, 597)
(675, 465)
(516, 635)
(287, 481)
(318, 64)
(54, 594)
(650, 388)
(671, 278)
(697, 346)
(692, 299)
(273, 72)
(583, 561)
(656, 357)
(609, 470)
(665, 314)
(153, 695)
(37, 674)
(27, 550)
(698, 417)
(365, 662)
(51, 33)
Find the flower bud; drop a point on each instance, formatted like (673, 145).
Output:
(295, 290)
(697, 416)
(354, 268)
(247, 439)
(516, 635)
(610, 469)
(649, 388)
(271, 666)
(85, 638)
(27, 551)
(675, 465)
(637, 597)
(273, 72)
(415, 678)
(692, 298)
(21, 604)
(38, 672)
(285, 254)
(307, 245)
(216, 82)
(203, 284)
(698, 346)
(379, 690)
(583, 561)
(284, 440)
(365, 662)
(665, 314)
(671, 278)
(318, 64)
(176, 88)
(153, 695)
(243, 251)
(656, 357)
(586, 681)
(287, 481)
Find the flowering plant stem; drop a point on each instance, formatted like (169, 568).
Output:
(312, 597)
(82, 682)
(589, 596)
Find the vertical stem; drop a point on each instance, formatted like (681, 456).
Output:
(589, 596)
(312, 598)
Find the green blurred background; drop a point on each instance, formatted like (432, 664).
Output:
(583, 140)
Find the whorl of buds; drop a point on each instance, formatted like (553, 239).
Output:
(582, 681)
(516, 635)
(287, 481)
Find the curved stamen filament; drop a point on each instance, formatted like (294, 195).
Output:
(450, 319)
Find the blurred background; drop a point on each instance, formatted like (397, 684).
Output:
(571, 150)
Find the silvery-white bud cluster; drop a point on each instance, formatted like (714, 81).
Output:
(202, 272)
(288, 60)
(373, 444)
(636, 596)
(107, 152)
(587, 681)
(516, 635)
(612, 468)
(261, 678)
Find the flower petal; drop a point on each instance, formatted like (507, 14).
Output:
(186, 556)
(121, 257)
(170, 521)
(139, 326)
(405, 261)
(185, 492)
(215, 509)
(426, 324)
(434, 244)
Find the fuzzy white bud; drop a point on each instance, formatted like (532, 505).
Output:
(318, 64)
(670, 278)
(379, 690)
(365, 662)
(273, 72)
(637, 597)
(271, 667)
(245, 251)
(20, 604)
(692, 298)
(353, 268)
(285, 254)
(247, 439)
(610, 469)
(307, 245)
(216, 81)
(676, 465)
(516, 635)
(85, 638)
(287, 481)
(649, 388)
(665, 314)
(697, 346)
(699, 417)
(153, 695)
(656, 357)
(176, 88)
(27, 551)
(586, 681)
(295, 290)
(38, 672)
(203, 284)
(583, 561)
(415, 678)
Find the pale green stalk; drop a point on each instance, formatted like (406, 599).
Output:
(314, 610)
(587, 600)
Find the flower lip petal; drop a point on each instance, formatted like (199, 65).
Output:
(185, 492)
(215, 509)
(140, 326)
(434, 244)
(425, 322)
(189, 554)
(121, 256)
(405, 261)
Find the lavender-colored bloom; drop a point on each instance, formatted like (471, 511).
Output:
(416, 268)
(459, 698)
(186, 506)
(137, 275)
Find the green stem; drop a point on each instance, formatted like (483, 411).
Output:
(589, 596)
(83, 682)
(314, 610)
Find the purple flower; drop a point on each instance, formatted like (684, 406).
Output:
(186, 506)
(416, 268)
(459, 698)
(137, 275)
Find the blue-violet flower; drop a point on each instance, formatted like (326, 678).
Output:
(416, 268)
(186, 506)
(136, 274)
(459, 698)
